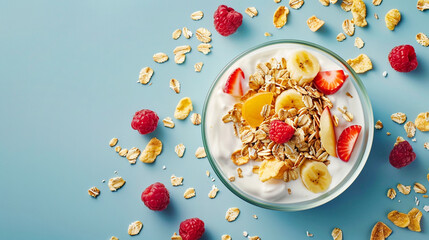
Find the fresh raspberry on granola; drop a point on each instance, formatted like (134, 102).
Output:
(191, 229)
(227, 20)
(145, 121)
(403, 58)
(401, 155)
(156, 197)
(280, 132)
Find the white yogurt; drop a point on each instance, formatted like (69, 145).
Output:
(222, 141)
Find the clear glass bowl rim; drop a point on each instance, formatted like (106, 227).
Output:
(368, 134)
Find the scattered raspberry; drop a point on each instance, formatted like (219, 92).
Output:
(156, 197)
(227, 20)
(145, 121)
(403, 58)
(401, 155)
(281, 132)
(191, 229)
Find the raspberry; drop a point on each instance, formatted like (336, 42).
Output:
(281, 132)
(191, 229)
(403, 58)
(156, 197)
(401, 155)
(227, 20)
(145, 121)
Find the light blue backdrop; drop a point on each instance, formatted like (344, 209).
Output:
(68, 72)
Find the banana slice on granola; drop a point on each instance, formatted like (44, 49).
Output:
(289, 99)
(303, 66)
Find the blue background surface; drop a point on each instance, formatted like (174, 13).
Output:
(68, 72)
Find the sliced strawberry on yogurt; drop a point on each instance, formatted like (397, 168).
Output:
(329, 82)
(233, 84)
(346, 142)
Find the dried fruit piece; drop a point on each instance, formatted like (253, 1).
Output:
(176, 181)
(404, 189)
(391, 193)
(399, 219)
(337, 234)
(175, 85)
(212, 194)
(151, 151)
(113, 142)
(422, 121)
(134, 228)
(422, 39)
(399, 117)
(183, 108)
(176, 34)
(189, 193)
(197, 15)
(200, 153)
(160, 57)
(252, 108)
(196, 119)
(359, 13)
(378, 125)
(419, 188)
(280, 16)
(348, 27)
(415, 215)
(360, 64)
(359, 42)
(315, 23)
(94, 192)
(115, 183)
(203, 35)
(380, 231)
(392, 19)
(410, 129)
(204, 48)
(251, 11)
(132, 155)
(145, 75)
(198, 66)
(296, 4)
(232, 214)
(186, 32)
(168, 122)
(180, 150)
(376, 2)
(422, 5)
(341, 37)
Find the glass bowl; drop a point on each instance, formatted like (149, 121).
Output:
(360, 153)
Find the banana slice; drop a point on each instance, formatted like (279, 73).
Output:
(289, 99)
(303, 66)
(315, 176)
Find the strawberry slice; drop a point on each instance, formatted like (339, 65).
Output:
(233, 84)
(329, 82)
(347, 141)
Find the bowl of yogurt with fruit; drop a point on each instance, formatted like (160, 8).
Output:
(287, 125)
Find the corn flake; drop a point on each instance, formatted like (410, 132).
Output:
(151, 151)
(341, 37)
(422, 121)
(422, 5)
(238, 159)
(315, 23)
(359, 13)
(392, 19)
(271, 168)
(280, 16)
(183, 108)
(399, 219)
(380, 231)
(360, 64)
(415, 215)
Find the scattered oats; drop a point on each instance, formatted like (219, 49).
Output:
(132, 155)
(414, 140)
(359, 42)
(419, 188)
(251, 11)
(200, 153)
(231, 179)
(179, 50)
(359, 13)
(341, 37)
(280, 16)
(348, 116)
(392, 19)
(176, 34)
(226, 237)
(197, 15)
(388, 133)
(135, 228)
(337, 234)
(399, 117)
(309, 234)
(123, 152)
(324, 2)
(175, 85)
(346, 5)
(232, 214)
(384, 74)
(296, 4)
(189, 193)
(333, 1)
(183, 108)
(198, 66)
(94, 192)
(391, 193)
(254, 238)
(118, 149)
(422, 121)
(314, 23)
(164, 167)
(113, 142)
(115, 183)
(422, 5)
(207, 173)
(267, 34)
(417, 201)
(422, 39)
(213, 192)
(113, 238)
(160, 57)
(360, 64)
(145, 75)
(176, 181)
(376, 2)
(349, 95)
(204, 48)
(196, 119)
(376, 16)
(254, 216)
(289, 191)
(203, 35)
(245, 234)
(186, 32)
(180, 150)
(176, 237)
(240, 172)
(426, 145)
(168, 122)
(348, 27)
(378, 125)
(410, 129)
(336, 120)
(151, 151)
(179, 58)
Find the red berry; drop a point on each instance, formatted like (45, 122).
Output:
(227, 20)
(347, 141)
(145, 121)
(156, 197)
(233, 84)
(329, 82)
(280, 132)
(403, 58)
(191, 229)
(401, 155)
